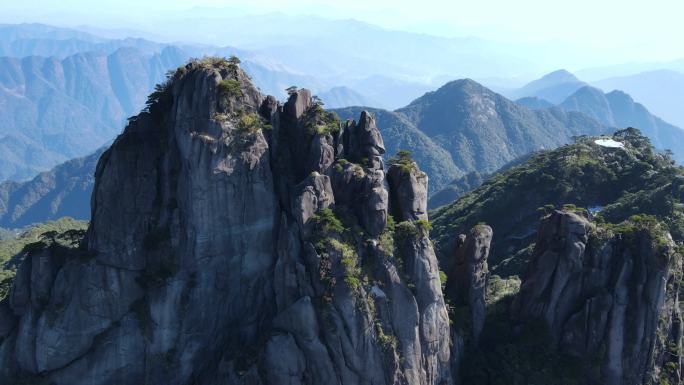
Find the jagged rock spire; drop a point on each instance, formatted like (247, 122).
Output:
(468, 273)
(408, 190)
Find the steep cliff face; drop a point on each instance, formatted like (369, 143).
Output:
(608, 296)
(234, 240)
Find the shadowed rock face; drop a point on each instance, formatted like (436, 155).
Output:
(468, 273)
(408, 192)
(209, 259)
(610, 301)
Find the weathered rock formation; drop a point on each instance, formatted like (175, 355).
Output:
(609, 300)
(467, 275)
(232, 243)
(408, 191)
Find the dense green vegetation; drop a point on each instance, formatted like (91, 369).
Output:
(613, 183)
(330, 236)
(230, 87)
(252, 122)
(321, 122)
(65, 231)
(404, 161)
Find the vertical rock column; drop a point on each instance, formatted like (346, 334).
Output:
(408, 192)
(467, 276)
(408, 197)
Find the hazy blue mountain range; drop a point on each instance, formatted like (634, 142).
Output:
(553, 87)
(595, 74)
(63, 191)
(67, 108)
(75, 91)
(388, 77)
(338, 97)
(661, 91)
(329, 49)
(20, 40)
(616, 108)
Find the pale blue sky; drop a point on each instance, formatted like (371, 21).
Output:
(633, 29)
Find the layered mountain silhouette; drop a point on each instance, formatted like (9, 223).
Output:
(614, 109)
(63, 191)
(20, 40)
(338, 97)
(68, 108)
(482, 130)
(553, 87)
(65, 93)
(661, 91)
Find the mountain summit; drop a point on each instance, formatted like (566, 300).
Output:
(554, 87)
(236, 240)
(483, 130)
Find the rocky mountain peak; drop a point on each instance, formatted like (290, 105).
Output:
(298, 102)
(235, 240)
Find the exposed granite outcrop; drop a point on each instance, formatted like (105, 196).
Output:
(467, 275)
(408, 191)
(231, 243)
(363, 141)
(609, 300)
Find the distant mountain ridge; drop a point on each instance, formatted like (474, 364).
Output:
(63, 191)
(618, 109)
(553, 87)
(79, 93)
(339, 97)
(483, 130)
(661, 91)
(478, 129)
(68, 108)
(614, 109)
